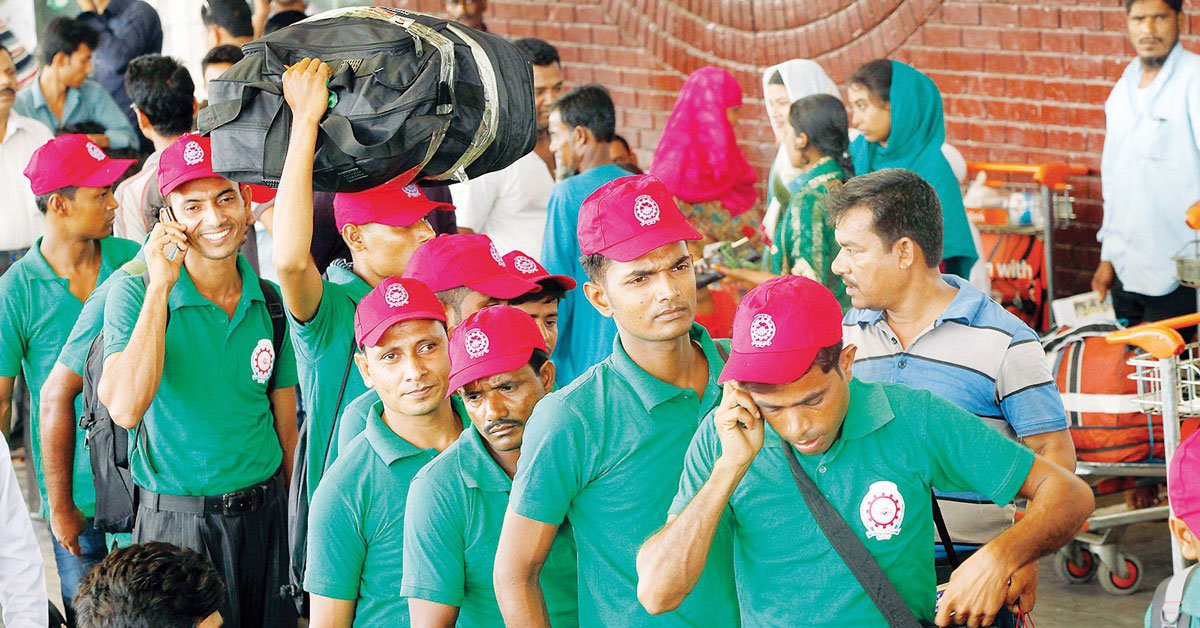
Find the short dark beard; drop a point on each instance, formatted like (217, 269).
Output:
(1153, 63)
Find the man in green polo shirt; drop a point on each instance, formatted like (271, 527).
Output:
(874, 451)
(40, 298)
(605, 452)
(356, 523)
(501, 367)
(191, 368)
(382, 227)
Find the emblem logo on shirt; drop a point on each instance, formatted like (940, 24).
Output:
(411, 190)
(95, 151)
(396, 295)
(193, 153)
(645, 210)
(262, 361)
(525, 265)
(477, 343)
(882, 510)
(762, 330)
(496, 254)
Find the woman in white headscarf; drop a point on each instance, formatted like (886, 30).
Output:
(783, 85)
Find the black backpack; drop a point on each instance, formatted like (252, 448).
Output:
(108, 443)
(412, 98)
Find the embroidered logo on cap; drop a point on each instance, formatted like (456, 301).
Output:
(525, 265)
(411, 190)
(762, 330)
(496, 254)
(476, 343)
(262, 361)
(882, 510)
(396, 295)
(95, 151)
(192, 153)
(645, 210)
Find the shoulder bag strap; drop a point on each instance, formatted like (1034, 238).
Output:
(851, 549)
(278, 322)
(944, 533)
(333, 425)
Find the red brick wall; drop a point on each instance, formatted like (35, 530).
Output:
(1023, 81)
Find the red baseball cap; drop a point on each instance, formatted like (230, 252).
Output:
(1183, 491)
(526, 267)
(491, 341)
(466, 259)
(778, 329)
(393, 301)
(186, 159)
(387, 204)
(628, 217)
(72, 160)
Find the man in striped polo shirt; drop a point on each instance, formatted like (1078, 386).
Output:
(914, 325)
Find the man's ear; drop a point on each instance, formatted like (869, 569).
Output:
(353, 236)
(598, 297)
(846, 360)
(906, 252)
(546, 375)
(60, 59)
(360, 360)
(582, 136)
(58, 205)
(1189, 546)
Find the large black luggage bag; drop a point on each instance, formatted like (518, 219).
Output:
(414, 97)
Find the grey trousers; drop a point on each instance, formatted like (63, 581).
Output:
(250, 551)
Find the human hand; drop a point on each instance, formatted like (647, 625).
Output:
(739, 426)
(165, 236)
(1103, 278)
(1022, 593)
(306, 90)
(978, 589)
(66, 524)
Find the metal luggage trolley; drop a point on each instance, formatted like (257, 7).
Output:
(1047, 194)
(1167, 372)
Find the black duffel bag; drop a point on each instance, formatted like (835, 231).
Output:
(414, 97)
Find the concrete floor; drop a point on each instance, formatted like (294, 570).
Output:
(1058, 604)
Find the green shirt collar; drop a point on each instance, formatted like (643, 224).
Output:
(388, 444)
(477, 467)
(653, 391)
(355, 286)
(186, 294)
(869, 410)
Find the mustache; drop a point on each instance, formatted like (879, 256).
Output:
(492, 426)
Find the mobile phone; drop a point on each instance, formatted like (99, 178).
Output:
(170, 215)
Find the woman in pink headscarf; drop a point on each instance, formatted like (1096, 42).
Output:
(699, 160)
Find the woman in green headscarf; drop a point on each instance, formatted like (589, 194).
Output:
(898, 110)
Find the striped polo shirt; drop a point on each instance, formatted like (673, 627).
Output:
(982, 358)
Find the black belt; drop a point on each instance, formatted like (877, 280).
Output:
(239, 502)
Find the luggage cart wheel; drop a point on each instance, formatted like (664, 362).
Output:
(1076, 564)
(1112, 582)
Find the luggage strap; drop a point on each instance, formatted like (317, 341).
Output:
(851, 549)
(1167, 608)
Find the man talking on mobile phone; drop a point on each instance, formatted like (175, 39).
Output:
(873, 451)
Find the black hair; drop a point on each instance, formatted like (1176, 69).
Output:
(83, 127)
(283, 19)
(823, 119)
(162, 89)
(149, 584)
(1175, 5)
(594, 266)
(876, 76)
(43, 200)
(538, 51)
(775, 79)
(537, 360)
(551, 291)
(620, 139)
(591, 107)
(827, 359)
(65, 35)
(452, 298)
(225, 53)
(231, 15)
(902, 205)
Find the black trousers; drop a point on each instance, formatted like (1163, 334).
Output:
(249, 551)
(1133, 308)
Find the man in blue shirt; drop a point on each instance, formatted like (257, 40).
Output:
(62, 95)
(128, 29)
(1148, 170)
(582, 123)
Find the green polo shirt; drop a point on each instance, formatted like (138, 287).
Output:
(323, 347)
(209, 429)
(896, 444)
(354, 420)
(37, 311)
(452, 526)
(91, 318)
(605, 453)
(356, 523)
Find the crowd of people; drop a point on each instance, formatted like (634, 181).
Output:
(514, 400)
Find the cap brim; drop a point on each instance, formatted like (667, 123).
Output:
(562, 280)
(646, 241)
(187, 177)
(106, 174)
(371, 338)
(408, 216)
(488, 367)
(504, 285)
(767, 368)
